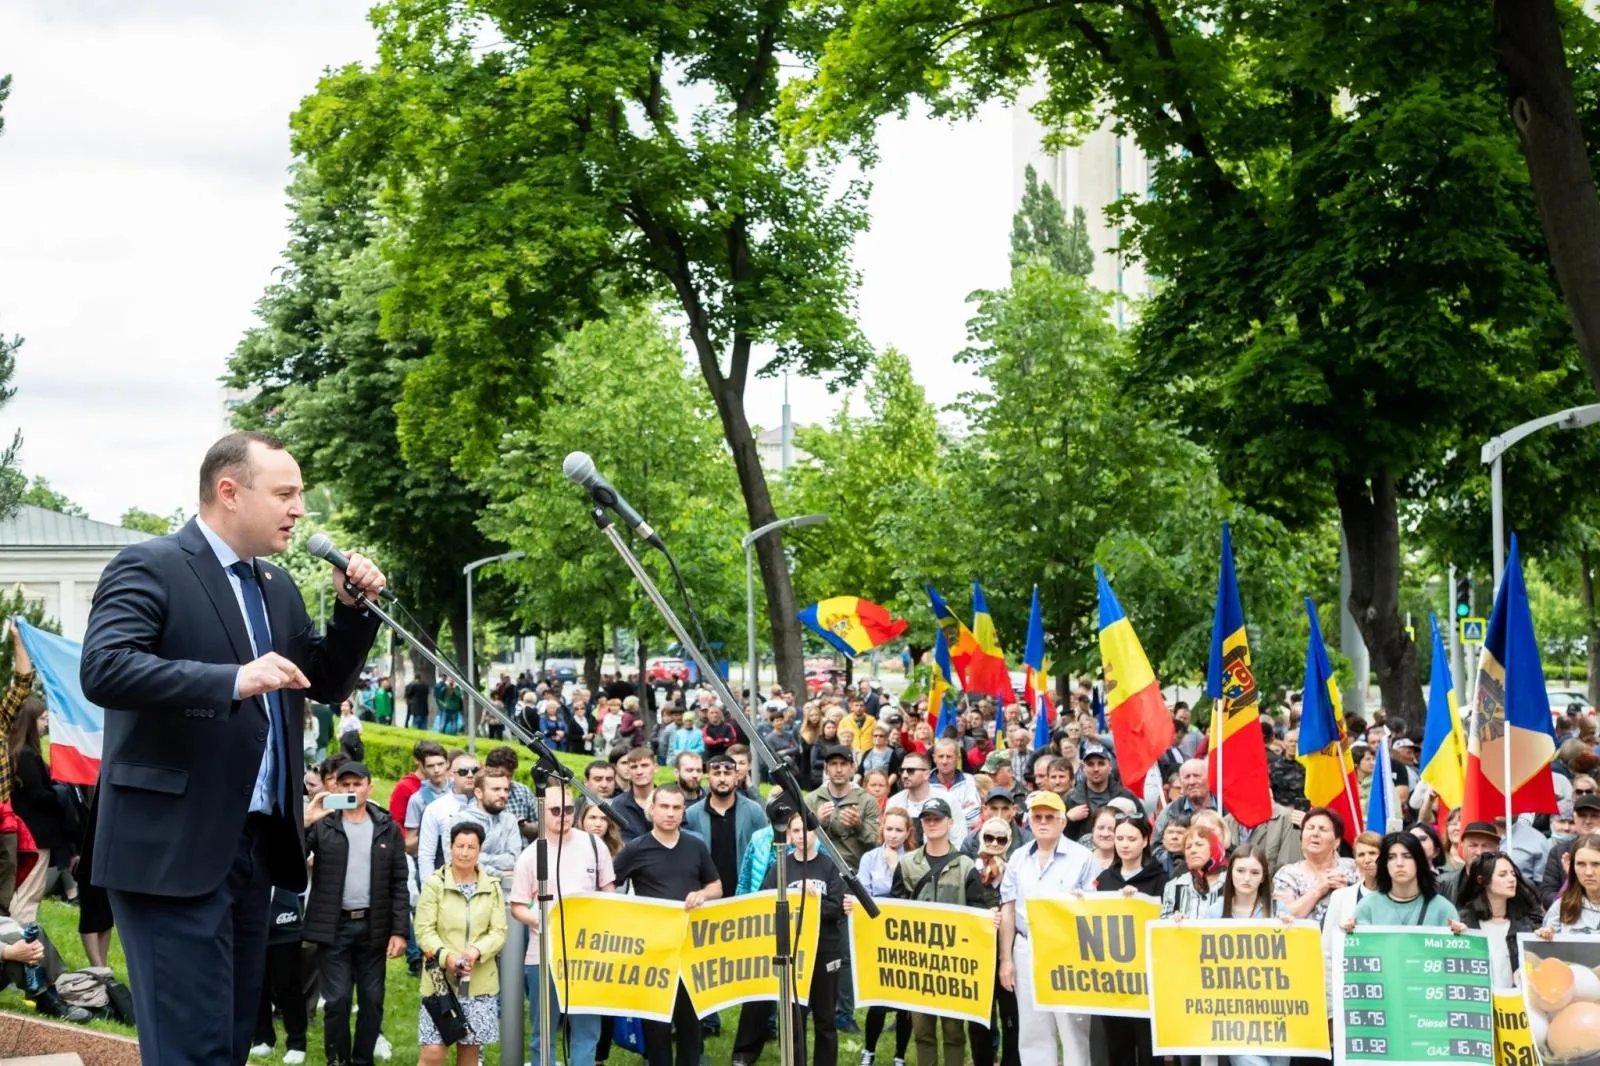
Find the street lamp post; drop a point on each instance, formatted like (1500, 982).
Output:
(1493, 455)
(747, 543)
(472, 669)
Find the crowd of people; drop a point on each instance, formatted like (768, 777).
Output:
(980, 817)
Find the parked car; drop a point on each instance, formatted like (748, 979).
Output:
(815, 679)
(1569, 701)
(664, 668)
(564, 669)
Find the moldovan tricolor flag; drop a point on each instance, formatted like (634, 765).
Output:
(1511, 742)
(1330, 774)
(959, 643)
(1237, 758)
(1036, 684)
(1141, 725)
(987, 674)
(1444, 749)
(77, 727)
(941, 708)
(851, 624)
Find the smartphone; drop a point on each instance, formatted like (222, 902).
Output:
(339, 801)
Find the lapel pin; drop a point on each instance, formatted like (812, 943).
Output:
(267, 574)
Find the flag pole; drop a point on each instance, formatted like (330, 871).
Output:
(1216, 732)
(1505, 781)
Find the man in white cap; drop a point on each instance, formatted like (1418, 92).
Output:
(1050, 866)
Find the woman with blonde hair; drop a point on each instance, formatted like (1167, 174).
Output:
(897, 832)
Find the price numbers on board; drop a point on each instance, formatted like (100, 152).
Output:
(1353, 990)
(1368, 1045)
(1370, 1019)
(1363, 964)
(1461, 1019)
(1466, 967)
(1472, 1049)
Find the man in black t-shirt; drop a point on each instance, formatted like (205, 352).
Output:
(667, 864)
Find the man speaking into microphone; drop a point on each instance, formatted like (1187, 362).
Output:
(203, 656)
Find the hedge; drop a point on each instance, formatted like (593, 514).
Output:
(388, 751)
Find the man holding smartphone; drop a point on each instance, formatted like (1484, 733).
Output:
(358, 909)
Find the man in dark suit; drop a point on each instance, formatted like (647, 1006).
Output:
(203, 656)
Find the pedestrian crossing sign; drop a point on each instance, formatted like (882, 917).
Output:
(1473, 630)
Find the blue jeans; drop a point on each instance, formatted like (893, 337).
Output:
(583, 1029)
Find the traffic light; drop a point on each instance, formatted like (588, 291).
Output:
(1463, 597)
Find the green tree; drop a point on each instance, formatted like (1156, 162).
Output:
(1352, 278)
(541, 163)
(619, 389)
(12, 483)
(1040, 227)
(150, 522)
(326, 381)
(40, 494)
(15, 603)
(861, 472)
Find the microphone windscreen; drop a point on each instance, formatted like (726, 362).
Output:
(321, 545)
(578, 467)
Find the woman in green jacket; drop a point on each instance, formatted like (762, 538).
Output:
(461, 924)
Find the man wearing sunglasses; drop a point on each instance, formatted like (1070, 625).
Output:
(432, 848)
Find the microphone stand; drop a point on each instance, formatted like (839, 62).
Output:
(546, 765)
(778, 772)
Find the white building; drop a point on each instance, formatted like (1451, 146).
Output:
(1092, 175)
(57, 559)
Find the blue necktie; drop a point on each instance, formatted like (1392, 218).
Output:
(256, 608)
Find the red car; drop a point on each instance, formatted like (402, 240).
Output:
(663, 668)
(815, 679)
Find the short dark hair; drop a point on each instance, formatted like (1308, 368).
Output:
(422, 750)
(673, 789)
(639, 754)
(598, 764)
(1334, 818)
(230, 457)
(330, 766)
(466, 827)
(504, 756)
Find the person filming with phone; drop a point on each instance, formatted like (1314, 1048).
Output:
(358, 910)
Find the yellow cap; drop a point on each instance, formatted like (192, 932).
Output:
(1045, 798)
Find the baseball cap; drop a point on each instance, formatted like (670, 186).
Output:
(999, 794)
(1483, 829)
(876, 684)
(721, 758)
(1046, 798)
(935, 808)
(997, 760)
(353, 769)
(1404, 742)
(1586, 803)
(1094, 751)
(837, 751)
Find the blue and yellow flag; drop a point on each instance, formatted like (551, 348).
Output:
(1444, 749)
(1330, 773)
(941, 708)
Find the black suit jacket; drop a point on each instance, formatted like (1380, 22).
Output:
(164, 644)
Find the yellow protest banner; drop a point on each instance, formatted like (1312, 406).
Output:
(1237, 988)
(617, 955)
(727, 956)
(934, 958)
(1088, 953)
(1513, 1039)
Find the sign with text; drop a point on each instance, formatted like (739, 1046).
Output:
(933, 958)
(1088, 953)
(727, 956)
(1236, 988)
(1414, 996)
(618, 955)
(1513, 1039)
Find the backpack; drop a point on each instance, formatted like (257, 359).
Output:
(97, 990)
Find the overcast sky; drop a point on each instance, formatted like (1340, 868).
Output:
(142, 212)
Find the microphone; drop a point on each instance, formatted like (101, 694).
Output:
(321, 545)
(580, 468)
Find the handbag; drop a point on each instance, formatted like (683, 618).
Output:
(444, 1008)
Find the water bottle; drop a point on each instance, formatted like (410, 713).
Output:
(33, 981)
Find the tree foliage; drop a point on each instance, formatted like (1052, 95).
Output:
(541, 163)
(1352, 277)
(618, 389)
(12, 483)
(1040, 227)
(40, 494)
(150, 522)
(326, 381)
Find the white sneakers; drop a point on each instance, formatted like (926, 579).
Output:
(261, 1051)
(294, 1058)
(381, 1050)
